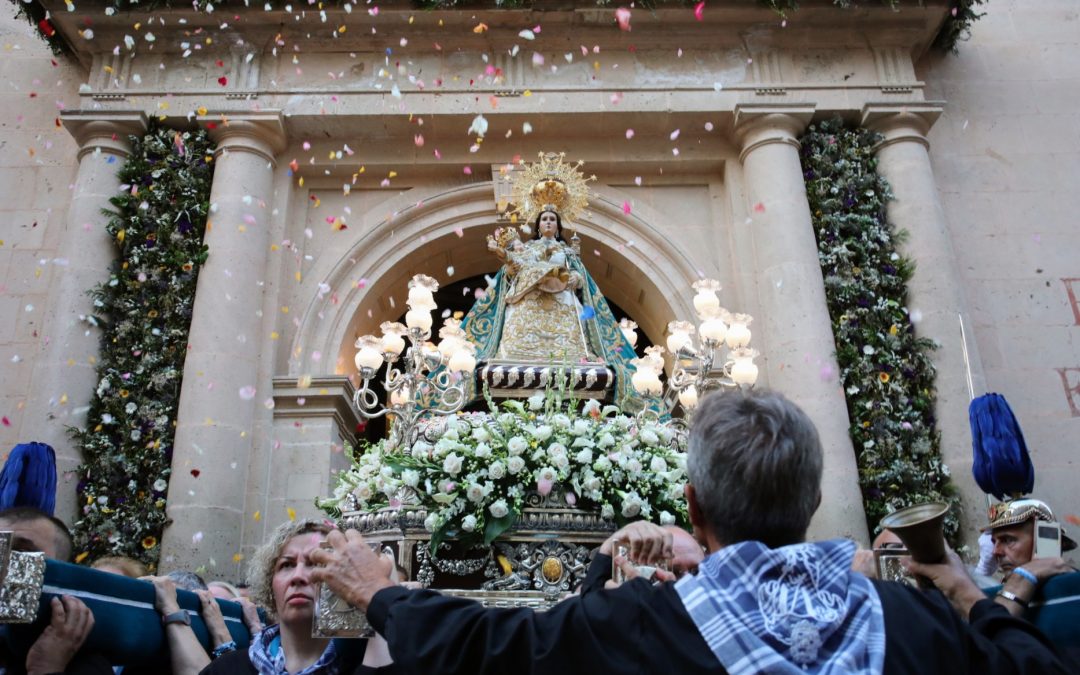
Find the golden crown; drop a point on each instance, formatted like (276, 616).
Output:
(550, 184)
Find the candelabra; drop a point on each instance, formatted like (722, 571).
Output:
(430, 380)
(694, 371)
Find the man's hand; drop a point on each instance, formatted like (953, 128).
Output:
(164, 594)
(215, 622)
(648, 543)
(630, 571)
(864, 563)
(351, 569)
(71, 623)
(1044, 568)
(951, 578)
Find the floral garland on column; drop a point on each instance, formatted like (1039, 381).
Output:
(885, 368)
(144, 310)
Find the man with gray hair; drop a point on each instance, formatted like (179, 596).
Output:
(763, 600)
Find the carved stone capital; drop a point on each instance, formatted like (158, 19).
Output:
(262, 134)
(907, 123)
(329, 396)
(104, 131)
(764, 124)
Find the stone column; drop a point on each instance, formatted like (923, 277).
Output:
(64, 374)
(934, 291)
(798, 346)
(217, 408)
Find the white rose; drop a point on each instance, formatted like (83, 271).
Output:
(562, 461)
(497, 470)
(481, 434)
(443, 446)
(607, 512)
(547, 473)
(514, 465)
(584, 457)
(581, 427)
(602, 464)
(468, 523)
(482, 450)
(666, 518)
(363, 492)
(666, 435)
(634, 466)
(536, 401)
(431, 522)
(452, 464)
(649, 437)
(606, 440)
(474, 493)
(421, 450)
(630, 508)
(675, 492)
(160, 485)
(499, 508)
(623, 422)
(516, 445)
(451, 434)
(560, 421)
(542, 433)
(592, 484)
(410, 477)
(556, 450)
(658, 465)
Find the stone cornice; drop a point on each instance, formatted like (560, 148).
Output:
(328, 396)
(902, 123)
(103, 130)
(732, 22)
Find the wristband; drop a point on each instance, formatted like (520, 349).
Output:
(1024, 574)
(223, 648)
(1009, 595)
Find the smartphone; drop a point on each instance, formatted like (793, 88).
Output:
(1047, 539)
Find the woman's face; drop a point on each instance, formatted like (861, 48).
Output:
(549, 224)
(294, 594)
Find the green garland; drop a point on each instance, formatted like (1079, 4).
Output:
(955, 29)
(885, 368)
(144, 310)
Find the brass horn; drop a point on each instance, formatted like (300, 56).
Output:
(922, 529)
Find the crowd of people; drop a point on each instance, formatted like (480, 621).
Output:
(743, 592)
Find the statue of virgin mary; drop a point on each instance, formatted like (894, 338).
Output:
(543, 308)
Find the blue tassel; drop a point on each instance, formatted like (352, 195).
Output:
(1001, 463)
(29, 478)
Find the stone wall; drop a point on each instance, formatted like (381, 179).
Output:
(1006, 154)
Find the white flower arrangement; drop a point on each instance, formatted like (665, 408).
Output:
(475, 478)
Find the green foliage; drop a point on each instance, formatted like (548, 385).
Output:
(144, 310)
(955, 29)
(885, 368)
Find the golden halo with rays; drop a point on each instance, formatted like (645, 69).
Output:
(550, 183)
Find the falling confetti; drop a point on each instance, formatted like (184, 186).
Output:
(699, 11)
(587, 313)
(291, 511)
(247, 393)
(622, 17)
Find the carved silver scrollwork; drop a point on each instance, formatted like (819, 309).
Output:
(551, 567)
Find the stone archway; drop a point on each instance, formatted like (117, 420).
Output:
(635, 266)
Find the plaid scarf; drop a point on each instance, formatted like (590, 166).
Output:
(268, 657)
(795, 609)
